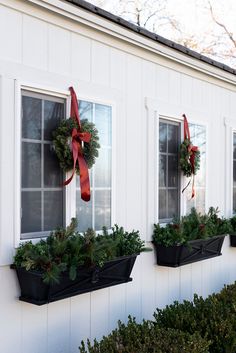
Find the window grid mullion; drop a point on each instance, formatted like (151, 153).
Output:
(234, 187)
(167, 172)
(42, 167)
(93, 179)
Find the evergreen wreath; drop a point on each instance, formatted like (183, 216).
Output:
(62, 143)
(186, 153)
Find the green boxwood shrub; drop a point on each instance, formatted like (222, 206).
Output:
(214, 318)
(147, 338)
(201, 326)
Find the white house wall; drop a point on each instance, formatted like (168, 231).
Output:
(43, 49)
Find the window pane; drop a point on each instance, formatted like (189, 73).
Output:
(173, 203)
(102, 169)
(53, 209)
(191, 201)
(97, 213)
(168, 170)
(162, 170)
(83, 212)
(234, 146)
(53, 113)
(41, 210)
(162, 205)
(86, 110)
(31, 118)
(31, 211)
(103, 123)
(198, 138)
(102, 209)
(172, 138)
(31, 165)
(162, 137)
(200, 177)
(173, 172)
(234, 173)
(234, 200)
(52, 171)
(200, 200)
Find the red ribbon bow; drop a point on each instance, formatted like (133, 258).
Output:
(192, 150)
(77, 138)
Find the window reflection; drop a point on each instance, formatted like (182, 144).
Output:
(97, 212)
(169, 193)
(198, 138)
(41, 176)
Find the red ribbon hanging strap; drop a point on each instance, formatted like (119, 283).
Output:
(77, 138)
(186, 128)
(192, 150)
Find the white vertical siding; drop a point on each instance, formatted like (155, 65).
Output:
(100, 63)
(134, 127)
(35, 43)
(80, 57)
(58, 327)
(44, 54)
(7, 111)
(59, 49)
(10, 34)
(33, 324)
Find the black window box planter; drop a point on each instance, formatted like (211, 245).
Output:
(195, 250)
(35, 291)
(233, 240)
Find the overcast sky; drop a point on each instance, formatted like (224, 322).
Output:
(194, 18)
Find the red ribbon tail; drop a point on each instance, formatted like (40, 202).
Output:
(77, 137)
(84, 178)
(69, 180)
(193, 188)
(186, 185)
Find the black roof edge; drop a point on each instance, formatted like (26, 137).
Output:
(142, 31)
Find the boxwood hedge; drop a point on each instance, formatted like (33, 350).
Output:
(198, 326)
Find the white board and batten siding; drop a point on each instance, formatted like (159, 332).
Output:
(43, 49)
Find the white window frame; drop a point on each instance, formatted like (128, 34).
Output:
(33, 94)
(70, 193)
(180, 125)
(205, 124)
(155, 111)
(230, 129)
(232, 175)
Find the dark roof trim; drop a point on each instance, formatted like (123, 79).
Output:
(144, 32)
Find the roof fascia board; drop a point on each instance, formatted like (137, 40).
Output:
(89, 19)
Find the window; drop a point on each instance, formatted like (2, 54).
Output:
(41, 178)
(198, 138)
(169, 174)
(169, 179)
(97, 212)
(42, 193)
(234, 172)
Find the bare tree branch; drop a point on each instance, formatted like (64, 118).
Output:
(222, 25)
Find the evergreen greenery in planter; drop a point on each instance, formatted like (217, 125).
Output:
(69, 263)
(233, 231)
(193, 238)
